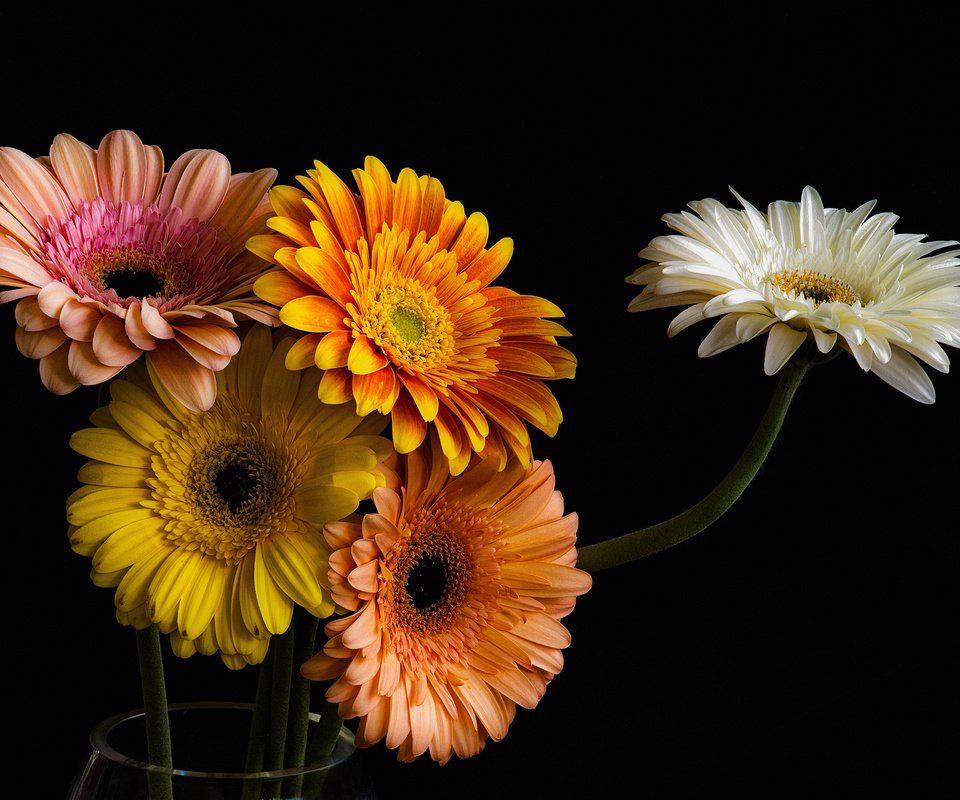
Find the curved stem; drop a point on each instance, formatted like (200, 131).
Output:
(647, 541)
(152, 681)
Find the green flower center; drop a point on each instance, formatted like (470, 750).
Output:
(409, 323)
(815, 286)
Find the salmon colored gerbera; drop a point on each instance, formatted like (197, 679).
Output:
(392, 288)
(457, 585)
(209, 523)
(110, 257)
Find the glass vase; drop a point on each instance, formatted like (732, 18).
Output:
(209, 743)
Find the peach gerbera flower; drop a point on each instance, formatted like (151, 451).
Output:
(392, 288)
(457, 585)
(110, 257)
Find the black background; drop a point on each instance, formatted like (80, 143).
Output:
(802, 645)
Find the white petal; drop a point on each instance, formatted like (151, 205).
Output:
(782, 342)
(904, 373)
(722, 337)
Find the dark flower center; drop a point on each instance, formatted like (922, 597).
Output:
(426, 582)
(237, 482)
(130, 281)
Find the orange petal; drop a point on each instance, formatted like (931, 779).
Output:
(301, 354)
(472, 239)
(343, 206)
(312, 314)
(336, 386)
(376, 390)
(406, 208)
(364, 357)
(408, 426)
(333, 350)
(326, 272)
(488, 265)
(279, 288)
(423, 395)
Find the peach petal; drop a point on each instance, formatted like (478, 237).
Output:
(191, 384)
(135, 329)
(364, 628)
(79, 320)
(39, 344)
(111, 344)
(364, 578)
(245, 193)
(55, 372)
(197, 184)
(52, 298)
(20, 265)
(122, 167)
(36, 191)
(153, 322)
(75, 165)
(31, 318)
(85, 366)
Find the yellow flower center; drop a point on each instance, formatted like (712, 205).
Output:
(135, 272)
(814, 286)
(409, 323)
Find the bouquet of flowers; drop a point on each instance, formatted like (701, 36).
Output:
(314, 456)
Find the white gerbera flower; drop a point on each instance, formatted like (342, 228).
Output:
(802, 272)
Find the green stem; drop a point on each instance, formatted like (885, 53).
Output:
(280, 699)
(322, 745)
(304, 646)
(159, 750)
(647, 541)
(256, 744)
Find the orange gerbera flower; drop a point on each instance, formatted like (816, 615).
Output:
(393, 290)
(110, 257)
(457, 585)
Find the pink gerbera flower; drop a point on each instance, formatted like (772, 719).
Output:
(110, 257)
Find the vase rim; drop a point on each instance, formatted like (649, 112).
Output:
(344, 748)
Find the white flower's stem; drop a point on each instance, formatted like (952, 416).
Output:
(647, 541)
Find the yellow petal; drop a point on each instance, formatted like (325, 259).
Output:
(111, 446)
(276, 607)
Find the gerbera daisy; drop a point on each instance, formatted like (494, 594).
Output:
(457, 585)
(110, 257)
(802, 272)
(209, 523)
(393, 289)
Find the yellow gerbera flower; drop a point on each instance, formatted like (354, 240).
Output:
(209, 523)
(110, 257)
(458, 585)
(392, 288)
